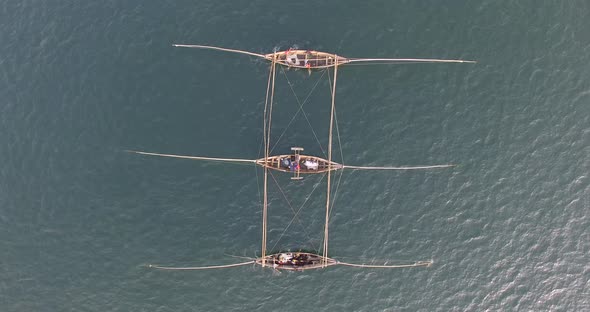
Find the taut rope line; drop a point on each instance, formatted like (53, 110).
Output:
(301, 110)
(296, 214)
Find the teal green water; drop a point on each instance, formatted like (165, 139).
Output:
(81, 82)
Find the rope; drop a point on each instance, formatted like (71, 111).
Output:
(397, 168)
(200, 268)
(301, 109)
(336, 193)
(337, 128)
(341, 159)
(396, 266)
(299, 210)
(293, 210)
(338, 136)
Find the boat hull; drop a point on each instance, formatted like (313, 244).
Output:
(296, 261)
(302, 164)
(306, 59)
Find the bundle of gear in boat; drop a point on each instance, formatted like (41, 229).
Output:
(296, 163)
(294, 259)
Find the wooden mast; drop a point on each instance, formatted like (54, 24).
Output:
(325, 253)
(268, 104)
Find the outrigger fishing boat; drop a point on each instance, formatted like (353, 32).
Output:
(310, 59)
(294, 163)
(297, 163)
(296, 261)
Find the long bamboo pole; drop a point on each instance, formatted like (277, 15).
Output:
(325, 253)
(394, 266)
(266, 139)
(397, 168)
(237, 160)
(406, 60)
(219, 49)
(201, 268)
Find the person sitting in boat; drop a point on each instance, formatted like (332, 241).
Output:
(294, 166)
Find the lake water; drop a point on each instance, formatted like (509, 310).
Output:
(82, 81)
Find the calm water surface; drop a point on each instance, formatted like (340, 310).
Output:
(82, 81)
